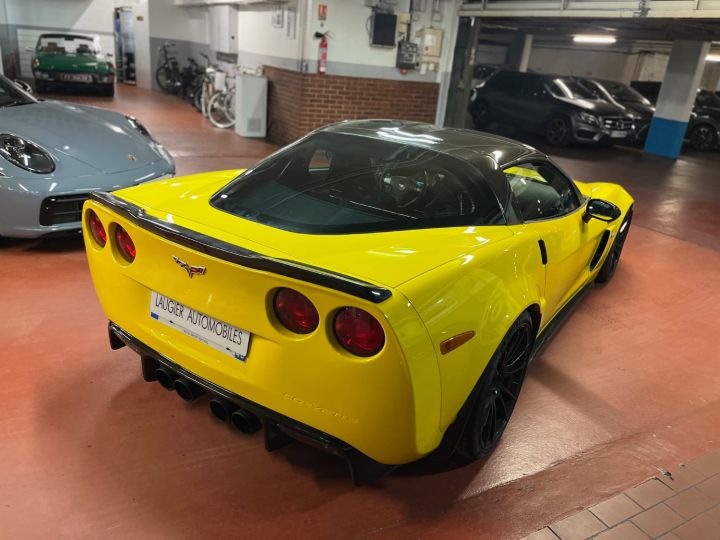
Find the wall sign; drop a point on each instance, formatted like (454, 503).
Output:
(322, 12)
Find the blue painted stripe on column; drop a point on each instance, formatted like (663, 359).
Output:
(665, 137)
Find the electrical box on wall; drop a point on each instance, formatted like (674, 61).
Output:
(223, 28)
(407, 55)
(383, 31)
(430, 45)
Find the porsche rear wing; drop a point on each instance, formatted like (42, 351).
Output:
(241, 256)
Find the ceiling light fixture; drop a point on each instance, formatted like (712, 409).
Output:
(594, 38)
(712, 58)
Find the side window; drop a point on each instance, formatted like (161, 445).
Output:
(535, 88)
(541, 191)
(506, 82)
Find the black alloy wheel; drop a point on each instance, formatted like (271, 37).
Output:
(704, 137)
(607, 271)
(495, 404)
(558, 131)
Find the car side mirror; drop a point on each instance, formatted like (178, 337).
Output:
(602, 210)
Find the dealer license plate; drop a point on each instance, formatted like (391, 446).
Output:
(618, 134)
(222, 336)
(76, 77)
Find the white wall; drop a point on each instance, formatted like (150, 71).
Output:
(87, 15)
(651, 67)
(260, 43)
(349, 50)
(580, 62)
(172, 22)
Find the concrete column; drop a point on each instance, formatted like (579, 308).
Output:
(519, 52)
(676, 99)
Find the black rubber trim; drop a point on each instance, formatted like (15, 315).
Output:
(279, 429)
(543, 251)
(241, 256)
(600, 249)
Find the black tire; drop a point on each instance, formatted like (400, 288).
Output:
(607, 270)
(41, 87)
(107, 90)
(163, 77)
(504, 376)
(704, 137)
(480, 113)
(558, 131)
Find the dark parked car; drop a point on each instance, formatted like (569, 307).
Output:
(558, 107)
(626, 97)
(703, 131)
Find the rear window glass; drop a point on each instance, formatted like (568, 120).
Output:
(332, 183)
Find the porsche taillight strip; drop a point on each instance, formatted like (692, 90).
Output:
(238, 255)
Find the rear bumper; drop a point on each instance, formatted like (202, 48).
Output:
(279, 429)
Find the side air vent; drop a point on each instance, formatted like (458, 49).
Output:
(600, 250)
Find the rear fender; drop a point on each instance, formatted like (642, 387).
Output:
(483, 292)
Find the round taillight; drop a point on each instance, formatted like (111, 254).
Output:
(96, 229)
(295, 311)
(358, 331)
(124, 243)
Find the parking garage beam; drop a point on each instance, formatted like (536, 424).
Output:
(519, 52)
(676, 99)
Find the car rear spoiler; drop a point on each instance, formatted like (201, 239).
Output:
(241, 256)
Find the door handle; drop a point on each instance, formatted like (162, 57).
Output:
(543, 251)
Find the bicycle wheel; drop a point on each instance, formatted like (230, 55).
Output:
(218, 111)
(163, 78)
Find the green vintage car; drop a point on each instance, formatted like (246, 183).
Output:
(72, 59)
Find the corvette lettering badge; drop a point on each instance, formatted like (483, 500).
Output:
(191, 270)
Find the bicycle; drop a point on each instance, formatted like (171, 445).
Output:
(167, 74)
(191, 78)
(207, 87)
(221, 107)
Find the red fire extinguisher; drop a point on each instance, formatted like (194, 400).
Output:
(322, 57)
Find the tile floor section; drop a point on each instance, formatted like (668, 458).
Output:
(682, 504)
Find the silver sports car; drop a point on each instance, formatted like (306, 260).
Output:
(53, 154)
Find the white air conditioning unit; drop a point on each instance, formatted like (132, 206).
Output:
(251, 106)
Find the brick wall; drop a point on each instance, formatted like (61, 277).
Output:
(301, 102)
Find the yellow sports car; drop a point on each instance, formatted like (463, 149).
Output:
(376, 289)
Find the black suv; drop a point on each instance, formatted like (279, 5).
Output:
(556, 106)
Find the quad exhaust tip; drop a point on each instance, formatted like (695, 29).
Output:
(166, 378)
(241, 419)
(188, 390)
(185, 388)
(222, 409)
(245, 421)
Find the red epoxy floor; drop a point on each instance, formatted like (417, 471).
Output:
(630, 383)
